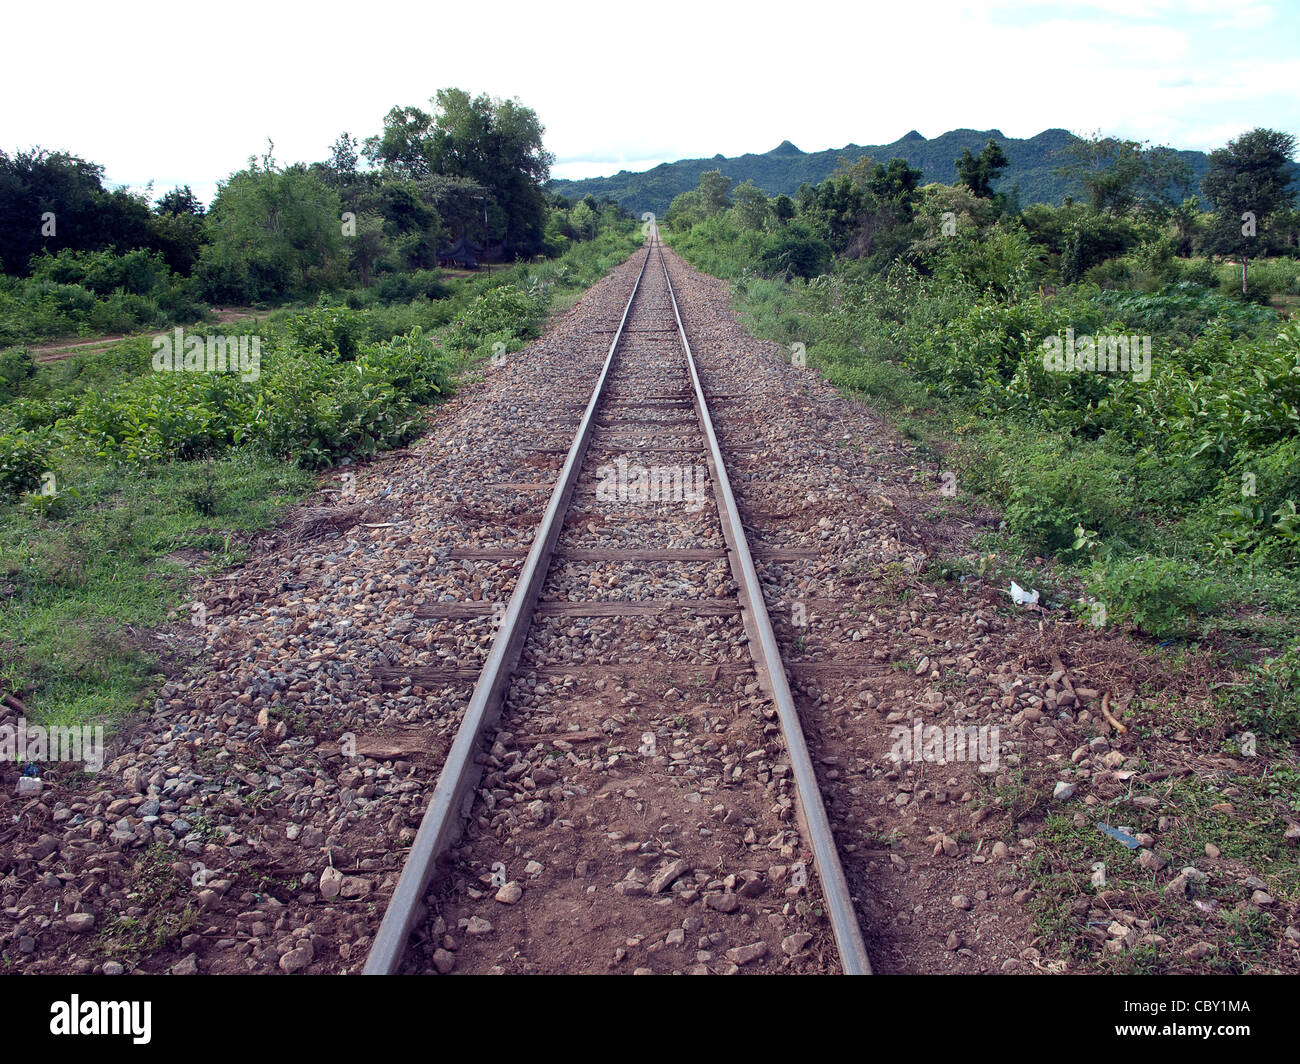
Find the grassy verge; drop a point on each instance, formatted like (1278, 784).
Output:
(1113, 492)
(1125, 507)
(1226, 823)
(123, 482)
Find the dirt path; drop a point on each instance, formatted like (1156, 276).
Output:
(57, 350)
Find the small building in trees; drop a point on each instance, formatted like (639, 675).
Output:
(465, 253)
(468, 253)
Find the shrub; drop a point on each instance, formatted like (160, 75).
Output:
(1271, 706)
(411, 363)
(137, 272)
(795, 252)
(328, 330)
(23, 458)
(16, 368)
(1160, 596)
(403, 287)
(1052, 488)
(501, 315)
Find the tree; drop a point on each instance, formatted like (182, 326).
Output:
(1186, 218)
(491, 144)
(366, 246)
(713, 189)
(404, 146)
(751, 206)
(342, 166)
(897, 183)
(179, 201)
(944, 212)
(794, 252)
(1248, 183)
(783, 208)
(52, 200)
(463, 206)
(684, 211)
(690, 208)
(1090, 238)
(177, 226)
(273, 233)
(978, 172)
(864, 209)
(498, 144)
(582, 219)
(1120, 175)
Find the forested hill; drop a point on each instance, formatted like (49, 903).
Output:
(785, 168)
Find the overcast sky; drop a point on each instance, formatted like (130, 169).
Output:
(184, 95)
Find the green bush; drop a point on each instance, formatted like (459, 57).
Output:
(325, 412)
(1271, 705)
(412, 363)
(1160, 596)
(403, 287)
(16, 369)
(137, 272)
(1197, 271)
(1090, 239)
(327, 329)
(23, 458)
(794, 252)
(502, 315)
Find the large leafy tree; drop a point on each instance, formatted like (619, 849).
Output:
(1249, 184)
(86, 217)
(179, 201)
(751, 206)
(712, 196)
(714, 190)
(978, 172)
(403, 148)
(412, 216)
(1118, 176)
(273, 231)
(178, 228)
(865, 208)
(341, 169)
(684, 211)
(492, 143)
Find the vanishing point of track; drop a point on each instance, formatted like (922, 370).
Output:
(641, 409)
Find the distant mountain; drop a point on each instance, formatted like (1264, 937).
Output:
(785, 168)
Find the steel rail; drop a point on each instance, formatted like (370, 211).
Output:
(771, 675)
(454, 794)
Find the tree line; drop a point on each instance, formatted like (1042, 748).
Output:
(375, 212)
(1135, 199)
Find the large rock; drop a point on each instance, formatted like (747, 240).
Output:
(331, 882)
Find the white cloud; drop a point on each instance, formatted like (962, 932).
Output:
(180, 91)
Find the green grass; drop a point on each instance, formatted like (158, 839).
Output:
(1243, 940)
(155, 916)
(79, 593)
(85, 574)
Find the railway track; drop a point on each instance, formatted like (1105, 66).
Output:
(697, 839)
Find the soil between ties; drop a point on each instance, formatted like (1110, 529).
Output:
(637, 814)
